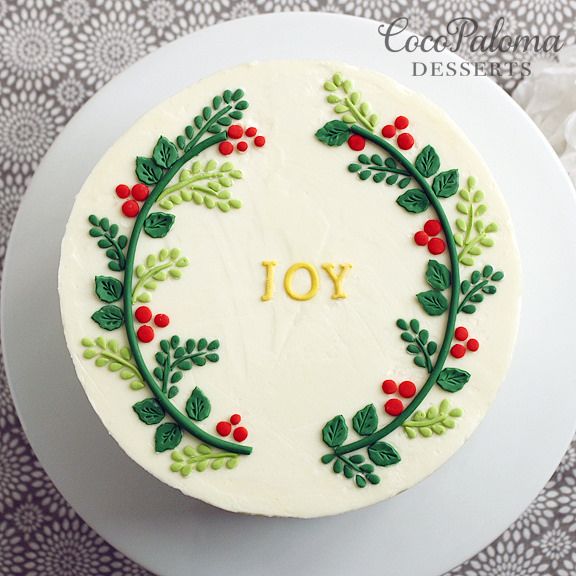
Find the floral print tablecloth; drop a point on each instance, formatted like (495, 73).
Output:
(54, 55)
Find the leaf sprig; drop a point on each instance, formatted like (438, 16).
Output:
(436, 420)
(199, 458)
(109, 240)
(474, 234)
(174, 359)
(365, 423)
(213, 119)
(481, 284)
(115, 357)
(380, 170)
(418, 343)
(204, 184)
(348, 103)
(157, 268)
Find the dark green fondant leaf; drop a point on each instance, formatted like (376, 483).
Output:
(453, 379)
(383, 454)
(438, 275)
(335, 432)
(333, 133)
(414, 200)
(167, 436)
(198, 406)
(149, 411)
(365, 421)
(109, 317)
(427, 162)
(158, 224)
(165, 153)
(147, 170)
(446, 184)
(108, 289)
(433, 302)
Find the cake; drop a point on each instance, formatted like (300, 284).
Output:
(292, 289)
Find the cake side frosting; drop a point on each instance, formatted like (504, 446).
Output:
(309, 263)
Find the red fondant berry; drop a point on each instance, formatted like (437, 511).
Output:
(235, 419)
(458, 351)
(224, 428)
(407, 389)
(259, 141)
(130, 208)
(473, 344)
(161, 320)
(235, 131)
(251, 132)
(405, 141)
(421, 238)
(240, 434)
(433, 227)
(242, 146)
(226, 148)
(389, 387)
(356, 142)
(389, 131)
(140, 192)
(436, 246)
(143, 314)
(401, 122)
(145, 333)
(461, 333)
(394, 407)
(122, 191)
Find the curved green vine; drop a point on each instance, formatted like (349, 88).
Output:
(179, 418)
(453, 303)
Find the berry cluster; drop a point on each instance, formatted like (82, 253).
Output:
(428, 237)
(405, 140)
(235, 132)
(143, 314)
(139, 193)
(406, 389)
(458, 350)
(224, 428)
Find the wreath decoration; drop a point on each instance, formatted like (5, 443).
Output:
(424, 187)
(168, 178)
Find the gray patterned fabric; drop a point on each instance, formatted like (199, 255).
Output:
(54, 55)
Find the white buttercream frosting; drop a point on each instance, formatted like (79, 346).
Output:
(286, 366)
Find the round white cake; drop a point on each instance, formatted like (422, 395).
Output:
(291, 289)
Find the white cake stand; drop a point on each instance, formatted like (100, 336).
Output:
(422, 532)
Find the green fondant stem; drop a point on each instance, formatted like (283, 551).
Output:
(120, 360)
(166, 375)
(471, 293)
(467, 247)
(425, 423)
(187, 357)
(454, 297)
(470, 225)
(149, 275)
(357, 114)
(188, 182)
(426, 355)
(387, 169)
(119, 251)
(181, 419)
(192, 144)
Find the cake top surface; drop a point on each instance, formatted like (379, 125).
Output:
(308, 302)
